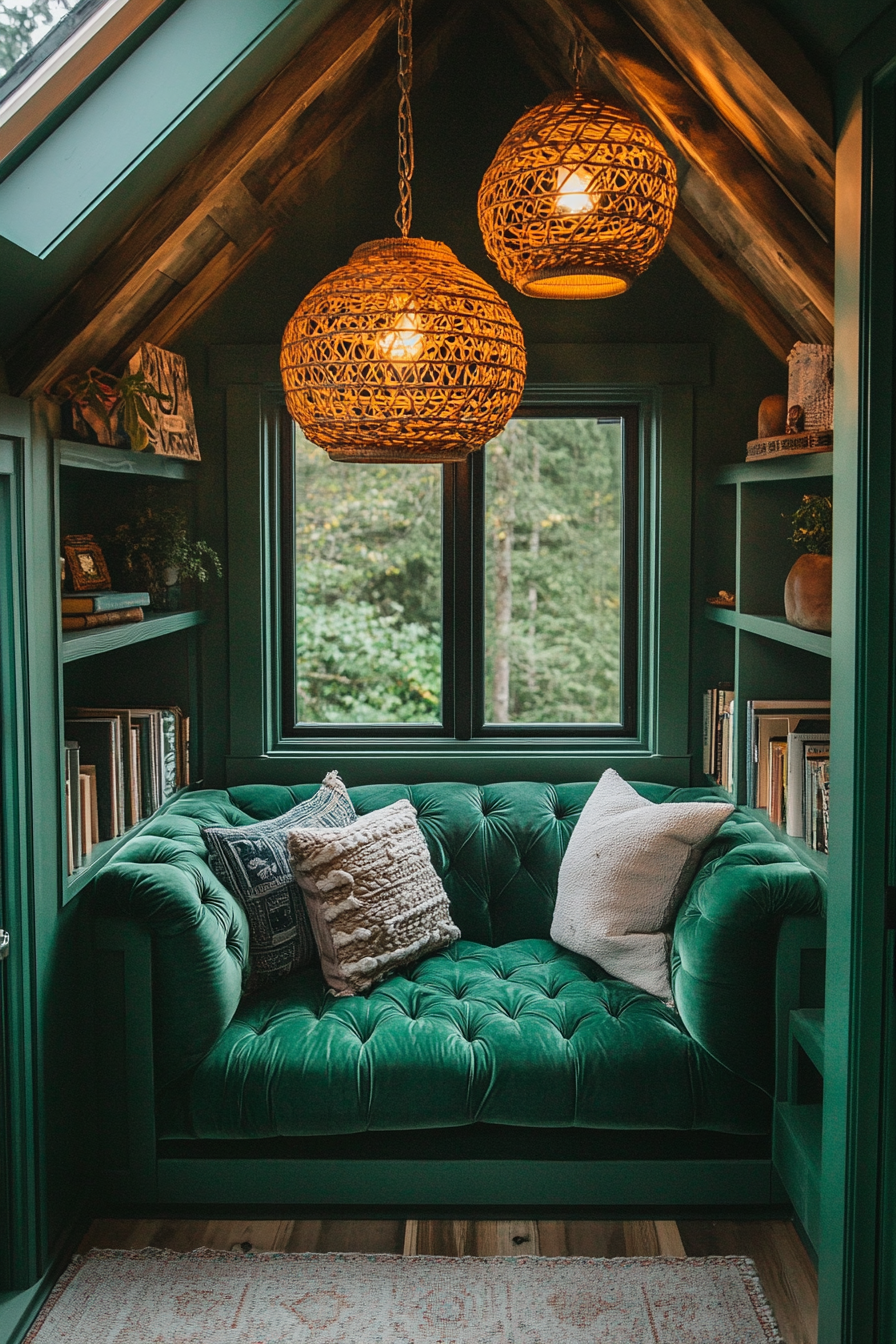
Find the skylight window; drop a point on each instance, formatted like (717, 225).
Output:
(31, 29)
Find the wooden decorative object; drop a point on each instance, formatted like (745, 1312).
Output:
(578, 200)
(790, 445)
(810, 387)
(402, 355)
(174, 432)
(807, 593)
(722, 599)
(85, 563)
(772, 416)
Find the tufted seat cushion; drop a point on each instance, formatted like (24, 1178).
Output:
(503, 1027)
(523, 1034)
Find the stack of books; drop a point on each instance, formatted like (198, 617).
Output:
(133, 760)
(788, 758)
(81, 808)
(718, 735)
(86, 611)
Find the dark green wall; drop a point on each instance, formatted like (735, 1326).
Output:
(460, 117)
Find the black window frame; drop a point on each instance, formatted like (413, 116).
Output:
(463, 592)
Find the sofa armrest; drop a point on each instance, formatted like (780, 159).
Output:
(200, 944)
(724, 948)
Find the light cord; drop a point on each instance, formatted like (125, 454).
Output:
(405, 122)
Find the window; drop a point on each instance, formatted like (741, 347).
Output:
(491, 598)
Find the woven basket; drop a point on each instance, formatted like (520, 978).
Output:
(578, 200)
(401, 355)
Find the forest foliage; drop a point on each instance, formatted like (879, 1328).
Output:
(368, 581)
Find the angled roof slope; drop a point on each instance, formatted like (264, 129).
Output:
(755, 167)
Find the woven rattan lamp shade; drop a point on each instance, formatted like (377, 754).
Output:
(402, 355)
(578, 199)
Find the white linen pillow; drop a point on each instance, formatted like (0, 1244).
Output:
(374, 899)
(627, 867)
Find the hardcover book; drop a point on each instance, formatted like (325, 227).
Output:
(85, 604)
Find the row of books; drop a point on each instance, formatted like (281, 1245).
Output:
(718, 737)
(788, 747)
(87, 611)
(121, 765)
(788, 760)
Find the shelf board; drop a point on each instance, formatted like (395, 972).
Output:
(772, 627)
(106, 850)
(87, 643)
(802, 467)
(807, 1027)
(812, 858)
(95, 457)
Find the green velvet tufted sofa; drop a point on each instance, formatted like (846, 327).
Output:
(502, 1070)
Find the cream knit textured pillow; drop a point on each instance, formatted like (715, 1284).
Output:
(627, 867)
(375, 901)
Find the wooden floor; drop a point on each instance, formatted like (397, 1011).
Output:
(785, 1269)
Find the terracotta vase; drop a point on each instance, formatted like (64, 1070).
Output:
(807, 593)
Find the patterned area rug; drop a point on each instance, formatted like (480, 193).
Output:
(223, 1297)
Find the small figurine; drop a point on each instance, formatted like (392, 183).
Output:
(795, 420)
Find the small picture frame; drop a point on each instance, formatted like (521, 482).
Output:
(85, 563)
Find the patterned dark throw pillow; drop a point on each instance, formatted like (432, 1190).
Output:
(252, 863)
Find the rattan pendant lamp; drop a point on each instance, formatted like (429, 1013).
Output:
(403, 354)
(578, 200)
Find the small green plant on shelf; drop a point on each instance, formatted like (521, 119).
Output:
(110, 407)
(156, 549)
(813, 525)
(807, 591)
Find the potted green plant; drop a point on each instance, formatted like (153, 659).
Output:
(807, 591)
(156, 551)
(109, 409)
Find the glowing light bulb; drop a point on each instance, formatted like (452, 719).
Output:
(573, 197)
(404, 341)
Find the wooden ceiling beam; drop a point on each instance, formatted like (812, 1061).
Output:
(210, 208)
(727, 283)
(724, 187)
(711, 59)
(716, 271)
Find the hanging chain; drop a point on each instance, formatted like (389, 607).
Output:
(576, 55)
(405, 123)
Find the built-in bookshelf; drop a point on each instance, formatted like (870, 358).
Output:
(762, 657)
(153, 662)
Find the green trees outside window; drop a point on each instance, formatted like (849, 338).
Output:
(553, 541)
(379, 566)
(368, 590)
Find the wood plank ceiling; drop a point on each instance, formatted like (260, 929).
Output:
(756, 171)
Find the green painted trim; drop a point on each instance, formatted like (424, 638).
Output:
(88, 643)
(807, 1028)
(807, 465)
(772, 627)
(668, 547)
(19, 1160)
(596, 363)
(123, 989)
(797, 1157)
(184, 1181)
(377, 764)
(851, 1274)
(96, 457)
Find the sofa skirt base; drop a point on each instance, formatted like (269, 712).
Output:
(282, 1181)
